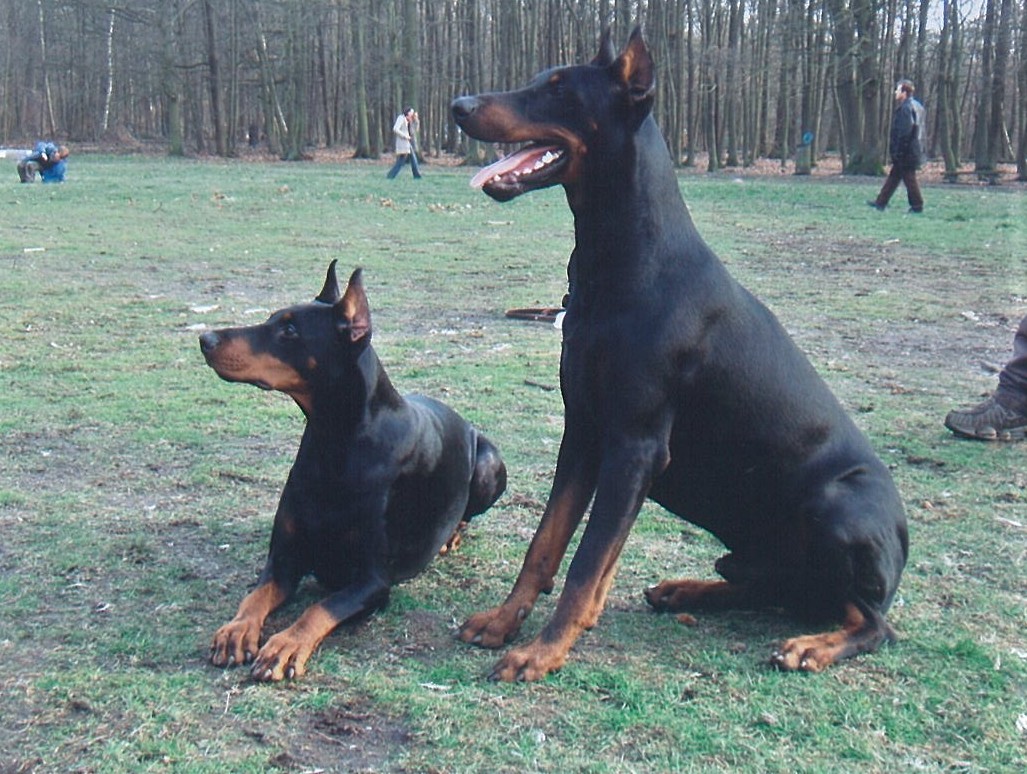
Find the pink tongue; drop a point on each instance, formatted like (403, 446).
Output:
(524, 158)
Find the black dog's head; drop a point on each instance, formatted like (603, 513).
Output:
(298, 348)
(569, 117)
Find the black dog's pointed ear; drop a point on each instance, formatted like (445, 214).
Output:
(352, 314)
(330, 292)
(636, 70)
(606, 54)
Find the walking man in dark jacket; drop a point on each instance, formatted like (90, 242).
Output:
(906, 146)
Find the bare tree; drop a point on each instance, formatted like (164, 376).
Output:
(1021, 148)
(217, 108)
(950, 57)
(364, 149)
(739, 79)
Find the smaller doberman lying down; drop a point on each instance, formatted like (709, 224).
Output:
(381, 483)
(681, 386)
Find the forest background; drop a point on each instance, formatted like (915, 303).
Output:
(739, 80)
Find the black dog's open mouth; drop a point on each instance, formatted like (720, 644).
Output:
(533, 166)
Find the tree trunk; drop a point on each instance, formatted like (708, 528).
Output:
(275, 126)
(217, 108)
(708, 84)
(110, 72)
(733, 88)
(856, 85)
(47, 93)
(473, 68)
(984, 159)
(997, 137)
(1021, 149)
(410, 67)
(949, 61)
(691, 112)
(363, 145)
(171, 83)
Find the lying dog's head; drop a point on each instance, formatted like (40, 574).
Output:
(298, 348)
(568, 117)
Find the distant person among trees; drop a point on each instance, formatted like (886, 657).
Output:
(405, 130)
(906, 146)
(1003, 416)
(48, 160)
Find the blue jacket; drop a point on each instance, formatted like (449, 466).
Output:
(51, 168)
(55, 172)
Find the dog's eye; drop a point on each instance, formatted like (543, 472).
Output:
(288, 330)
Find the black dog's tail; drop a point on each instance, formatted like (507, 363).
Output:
(488, 481)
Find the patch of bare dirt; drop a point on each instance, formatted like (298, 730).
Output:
(349, 737)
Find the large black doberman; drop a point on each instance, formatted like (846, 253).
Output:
(681, 386)
(379, 485)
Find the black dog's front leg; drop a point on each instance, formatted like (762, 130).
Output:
(238, 640)
(285, 654)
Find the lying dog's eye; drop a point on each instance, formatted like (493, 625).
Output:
(289, 330)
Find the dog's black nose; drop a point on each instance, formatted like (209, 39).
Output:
(463, 107)
(209, 342)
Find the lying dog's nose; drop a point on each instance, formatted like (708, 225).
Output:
(463, 107)
(209, 342)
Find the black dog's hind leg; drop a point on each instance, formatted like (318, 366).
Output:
(488, 482)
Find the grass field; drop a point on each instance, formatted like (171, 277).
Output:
(137, 488)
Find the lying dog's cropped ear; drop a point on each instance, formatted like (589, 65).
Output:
(606, 54)
(637, 72)
(352, 315)
(330, 292)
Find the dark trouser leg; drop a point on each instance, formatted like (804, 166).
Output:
(1012, 381)
(27, 170)
(890, 184)
(401, 159)
(916, 199)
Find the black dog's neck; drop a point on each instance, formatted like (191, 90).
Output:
(624, 203)
(351, 395)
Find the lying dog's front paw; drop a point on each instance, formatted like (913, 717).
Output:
(493, 628)
(529, 663)
(284, 656)
(235, 643)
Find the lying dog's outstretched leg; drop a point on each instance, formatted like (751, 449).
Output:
(864, 630)
(238, 640)
(285, 654)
